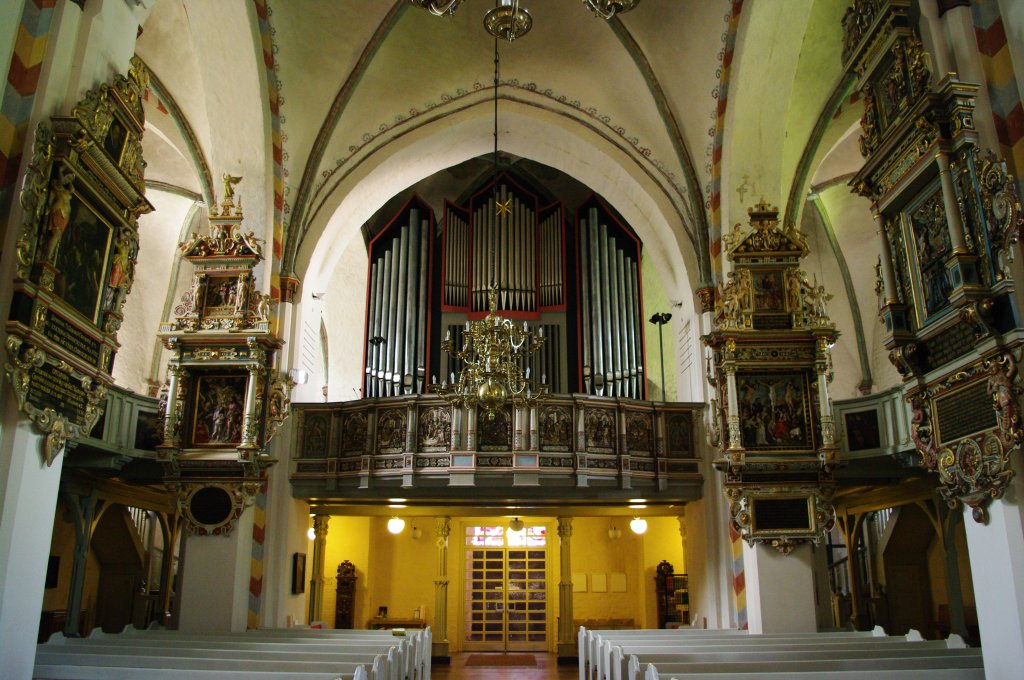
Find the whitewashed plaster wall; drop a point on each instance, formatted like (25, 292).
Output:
(344, 315)
(159, 233)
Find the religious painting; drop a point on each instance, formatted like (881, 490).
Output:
(679, 435)
(80, 240)
(113, 144)
(639, 433)
(862, 430)
(495, 434)
(599, 428)
(769, 293)
(775, 411)
(148, 431)
(435, 429)
(298, 573)
(219, 410)
(931, 247)
(391, 431)
(221, 294)
(353, 433)
(556, 428)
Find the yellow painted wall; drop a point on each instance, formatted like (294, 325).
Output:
(347, 539)
(661, 542)
(593, 552)
(403, 570)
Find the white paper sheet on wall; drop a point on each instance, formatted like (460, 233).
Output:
(599, 583)
(617, 581)
(579, 583)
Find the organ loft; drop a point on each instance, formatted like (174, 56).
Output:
(578, 337)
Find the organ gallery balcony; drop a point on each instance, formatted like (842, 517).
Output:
(568, 448)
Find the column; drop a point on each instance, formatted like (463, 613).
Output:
(214, 576)
(83, 513)
(780, 589)
(443, 528)
(167, 566)
(28, 500)
(888, 274)
(317, 579)
(566, 637)
(953, 219)
(997, 568)
(949, 521)
(471, 414)
(960, 31)
(735, 434)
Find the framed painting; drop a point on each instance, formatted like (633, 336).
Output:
(862, 431)
(769, 291)
(218, 410)
(220, 298)
(298, 573)
(776, 413)
(928, 246)
(147, 431)
(80, 242)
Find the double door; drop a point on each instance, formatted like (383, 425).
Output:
(505, 589)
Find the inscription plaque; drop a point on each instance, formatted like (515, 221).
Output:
(71, 338)
(50, 387)
(781, 514)
(963, 412)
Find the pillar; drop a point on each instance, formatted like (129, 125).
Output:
(215, 579)
(83, 513)
(173, 531)
(443, 529)
(997, 568)
(28, 501)
(949, 521)
(888, 273)
(318, 582)
(780, 589)
(566, 636)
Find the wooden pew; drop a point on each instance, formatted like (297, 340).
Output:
(601, 645)
(587, 641)
(99, 666)
(413, 649)
(652, 673)
(213, 655)
(755, 663)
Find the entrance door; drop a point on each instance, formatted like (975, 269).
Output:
(506, 588)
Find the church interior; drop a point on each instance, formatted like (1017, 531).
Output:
(508, 317)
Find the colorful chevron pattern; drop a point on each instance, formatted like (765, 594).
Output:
(1007, 109)
(259, 535)
(20, 90)
(715, 195)
(263, 13)
(739, 583)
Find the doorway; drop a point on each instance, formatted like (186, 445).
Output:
(505, 588)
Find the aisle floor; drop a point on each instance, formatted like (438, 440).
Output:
(546, 668)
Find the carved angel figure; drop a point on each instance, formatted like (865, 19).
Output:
(1004, 398)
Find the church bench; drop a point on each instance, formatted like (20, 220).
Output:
(587, 648)
(46, 672)
(812, 660)
(652, 673)
(610, 657)
(413, 649)
(599, 659)
(142, 664)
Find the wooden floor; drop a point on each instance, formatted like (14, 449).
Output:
(546, 668)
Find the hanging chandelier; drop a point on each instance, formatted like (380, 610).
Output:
(495, 352)
(510, 20)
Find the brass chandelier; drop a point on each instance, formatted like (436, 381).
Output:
(509, 20)
(495, 352)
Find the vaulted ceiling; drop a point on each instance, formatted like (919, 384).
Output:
(332, 108)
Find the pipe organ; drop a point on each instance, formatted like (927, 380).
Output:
(611, 307)
(515, 238)
(397, 291)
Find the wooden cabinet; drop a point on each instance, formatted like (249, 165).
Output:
(673, 593)
(345, 605)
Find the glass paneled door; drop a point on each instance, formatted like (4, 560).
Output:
(506, 588)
